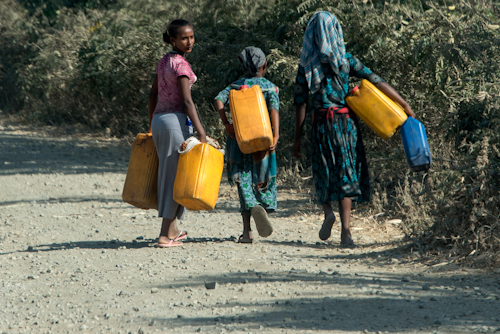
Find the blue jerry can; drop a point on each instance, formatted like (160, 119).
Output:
(418, 153)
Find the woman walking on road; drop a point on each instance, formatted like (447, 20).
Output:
(339, 167)
(172, 115)
(254, 174)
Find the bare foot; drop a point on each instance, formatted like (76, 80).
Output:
(346, 238)
(326, 228)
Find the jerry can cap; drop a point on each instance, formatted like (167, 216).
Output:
(354, 90)
(244, 87)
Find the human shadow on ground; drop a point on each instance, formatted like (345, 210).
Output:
(116, 244)
(45, 155)
(378, 302)
(93, 244)
(398, 246)
(64, 200)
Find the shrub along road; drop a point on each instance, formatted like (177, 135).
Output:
(75, 258)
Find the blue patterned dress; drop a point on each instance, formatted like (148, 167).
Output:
(338, 155)
(254, 174)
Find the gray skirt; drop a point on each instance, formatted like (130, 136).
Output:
(169, 131)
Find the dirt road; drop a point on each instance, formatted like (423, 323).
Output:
(75, 258)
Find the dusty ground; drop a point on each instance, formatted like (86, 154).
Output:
(75, 258)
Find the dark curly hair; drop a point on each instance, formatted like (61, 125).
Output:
(172, 29)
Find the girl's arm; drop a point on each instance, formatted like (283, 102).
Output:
(393, 95)
(189, 107)
(275, 120)
(153, 99)
(300, 116)
(222, 113)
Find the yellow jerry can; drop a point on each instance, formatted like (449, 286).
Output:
(141, 182)
(252, 125)
(197, 181)
(377, 110)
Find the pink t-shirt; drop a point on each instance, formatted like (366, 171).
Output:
(170, 67)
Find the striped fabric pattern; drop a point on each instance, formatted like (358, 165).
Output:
(323, 43)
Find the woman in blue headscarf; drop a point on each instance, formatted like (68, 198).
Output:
(339, 165)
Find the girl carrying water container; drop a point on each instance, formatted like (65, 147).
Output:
(172, 116)
(339, 165)
(254, 174)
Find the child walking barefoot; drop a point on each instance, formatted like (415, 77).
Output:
(339, 165)
(254, 174)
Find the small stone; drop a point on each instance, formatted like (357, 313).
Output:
(123, 293)
(437, 322)
(31, 277)
(426, 287)
(210, 285)
(405, 279)
(154, 290)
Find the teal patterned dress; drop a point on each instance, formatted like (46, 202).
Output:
(254, 174)
(338, 156)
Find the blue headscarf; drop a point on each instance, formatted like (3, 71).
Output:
(323, 43)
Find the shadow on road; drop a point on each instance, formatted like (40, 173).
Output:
(32, 154)
(100, 199)
(115, 244)
(405, 305)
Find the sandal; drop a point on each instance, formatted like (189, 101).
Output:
(262, 222)
(169, 244)
(181, 236)
(326, 229)
(242, 240)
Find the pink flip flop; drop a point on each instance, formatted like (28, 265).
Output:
(169, 244)
(181, 236)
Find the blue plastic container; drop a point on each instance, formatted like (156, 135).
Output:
(418, 153)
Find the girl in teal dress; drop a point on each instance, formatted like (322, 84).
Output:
(339, 165)
(253, 174)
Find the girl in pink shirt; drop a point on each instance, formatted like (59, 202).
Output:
(172, 116)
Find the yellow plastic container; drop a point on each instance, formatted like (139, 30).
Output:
(197, 181)
(377, 110)
(252, 125)
(141, 182)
